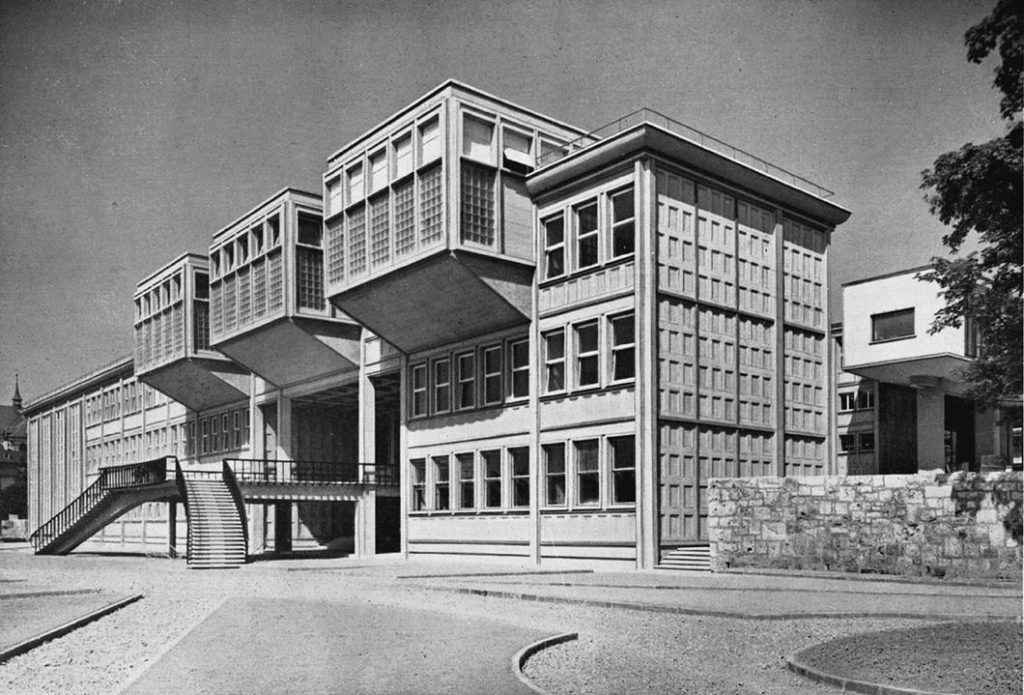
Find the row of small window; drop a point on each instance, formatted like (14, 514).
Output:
(218, 433)
(861, 443)
(806, 290)
(493, 479)
(250, 244)
(354, 185)
(165, 441)
(125, 399)
(598, 473)
(862, 399)
(598, 230)
(160, 297)
(610, 342)
(483, 376)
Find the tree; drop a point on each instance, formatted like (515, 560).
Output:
(977, 190)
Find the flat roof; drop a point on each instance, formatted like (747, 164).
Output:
(280, 194)
(82, 383)
(152, 276)
(883, 276)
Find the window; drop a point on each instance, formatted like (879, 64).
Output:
(236, 430)
(442, 386)
(430, 141)
(848, 400)
(623, 454)
(310, 230)
(520, 368)
(623, 348)
(466, 365)
(467, 481)
(492, 375)
(847, 443)
(441, 482)
(554, 247)
(865, 399)
(492, 478)
(554, 361)
(419, 390)
(588, 472)
(866, 441)
(334, 195)
(215, 430)
(402, 153)
(477, 139)
(418, 476)
(355, 183)
(516, 153)
(893, 325)
(586, 236)
(587, 358)
(378, 170)
(554, 474)
(623, 236)
(520, 457)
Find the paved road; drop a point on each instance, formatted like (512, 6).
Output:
(290, 646)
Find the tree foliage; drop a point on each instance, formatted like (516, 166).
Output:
(977, 190)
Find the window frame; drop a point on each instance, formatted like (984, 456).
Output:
(614, 349)
(465, 378)
(414, 390)
(548, 476)
(436, 386)
(418, 503)
(593, 235)
(582, 358)
(615, 225)
(487, 457)
(441, 483)
(515, 368)
(461, 460)
(514, 477)
(590, 444)
(487, 377)
(549, 363)
(614, 469)
(878, 331)
(550, 248)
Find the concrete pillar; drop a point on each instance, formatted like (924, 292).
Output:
(931, 426)
(285, 445)
(172, 529)
(366, 524)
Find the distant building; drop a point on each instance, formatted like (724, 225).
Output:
(495, 335)
(13, 442)
(901, 405)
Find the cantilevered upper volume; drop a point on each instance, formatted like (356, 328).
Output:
(172, 338)
(431, 206)
(268, 310)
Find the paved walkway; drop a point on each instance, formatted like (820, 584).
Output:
(288, 646)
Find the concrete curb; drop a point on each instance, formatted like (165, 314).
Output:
(64, 629)
(893, 578)
(521, 657)
(679, 610)
(852, 685)
(525, 573)
(38, 594)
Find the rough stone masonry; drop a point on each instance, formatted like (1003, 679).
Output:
(959, 525)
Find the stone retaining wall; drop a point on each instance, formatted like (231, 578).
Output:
(960, 525)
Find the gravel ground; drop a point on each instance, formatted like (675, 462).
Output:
(967, 658)
(619, 651)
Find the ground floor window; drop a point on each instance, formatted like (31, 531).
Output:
(479, 479)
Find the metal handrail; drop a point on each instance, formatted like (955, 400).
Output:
(110, 478)
(236, 495)
(646, 115)
(276, 471)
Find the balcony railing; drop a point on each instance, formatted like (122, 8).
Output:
(272, 471)
(646, 115)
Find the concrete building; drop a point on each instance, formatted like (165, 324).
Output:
(901, 405)
(496, 335)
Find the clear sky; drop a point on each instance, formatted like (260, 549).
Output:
(131, 131)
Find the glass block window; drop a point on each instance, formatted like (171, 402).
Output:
(200, 325)
(588, 472)
(380, 250)
(477, 204)
(586, 236)
(336, 250)
(554, 474)
(275, 280)
(356, 232)
(405, 218)
(431, 205)
(309, 278)
(244, 296)
(259, 288)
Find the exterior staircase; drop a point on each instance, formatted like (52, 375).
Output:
(216, 529)
(687, 557)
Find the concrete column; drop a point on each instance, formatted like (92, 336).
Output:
(931, 424)
(172, 529)
(645, 282)
(285, 445)
(366, 507)
(366, 524)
